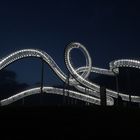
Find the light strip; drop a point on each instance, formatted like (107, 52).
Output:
(88, 91)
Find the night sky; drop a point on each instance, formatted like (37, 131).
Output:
(109, 30)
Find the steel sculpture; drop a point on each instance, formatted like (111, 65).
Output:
(88, 91)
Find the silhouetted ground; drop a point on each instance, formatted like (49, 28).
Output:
(70, 121)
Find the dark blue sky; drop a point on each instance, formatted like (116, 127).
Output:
(110, 30)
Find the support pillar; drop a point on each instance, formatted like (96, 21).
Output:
(103, 95)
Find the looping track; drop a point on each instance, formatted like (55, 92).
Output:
(88, 91)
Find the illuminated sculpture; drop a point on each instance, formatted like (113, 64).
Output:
(88, 91)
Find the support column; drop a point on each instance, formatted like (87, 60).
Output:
(103, 95)
(42, 80)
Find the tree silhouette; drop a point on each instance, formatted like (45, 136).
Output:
(9, 85)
